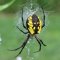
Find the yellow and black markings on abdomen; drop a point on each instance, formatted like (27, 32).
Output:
(33, 24)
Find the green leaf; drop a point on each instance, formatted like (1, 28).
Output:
(2, 7)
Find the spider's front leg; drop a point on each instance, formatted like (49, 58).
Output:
(40, 42)
(22, 46)
(24, 43)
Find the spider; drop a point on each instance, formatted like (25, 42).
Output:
(34, 26)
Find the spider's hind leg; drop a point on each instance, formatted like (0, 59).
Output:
(23, 20)
(43, 17)
(22, 30)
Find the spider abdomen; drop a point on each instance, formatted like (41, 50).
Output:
(33, 24)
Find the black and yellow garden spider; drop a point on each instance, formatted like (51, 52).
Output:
(33, 26)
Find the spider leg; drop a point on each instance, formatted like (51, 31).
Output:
(22, 46)
(39, 43)
(43, 18)
(20, 50)
(24, 43)
(23, 20)
(22, 30)
(15, 49)
(42, 42)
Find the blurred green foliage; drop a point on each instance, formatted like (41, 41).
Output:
(4, 6)
(12, 38)
(49, 5)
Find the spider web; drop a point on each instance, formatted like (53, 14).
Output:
(29, 10)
